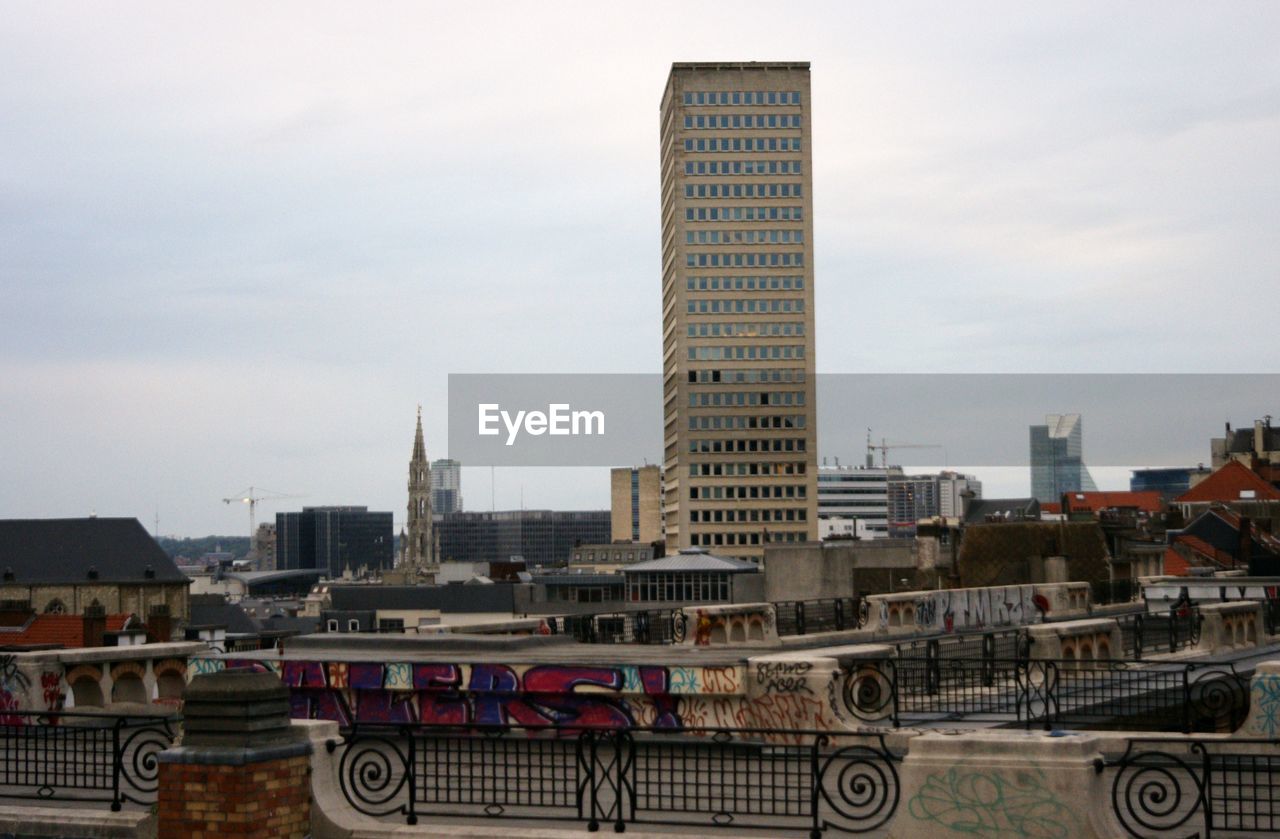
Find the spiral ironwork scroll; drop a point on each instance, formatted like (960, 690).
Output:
(1215, 692)
(859, 789)
(679, 626)
(139, 756)
(373, 773)
(869, 692)
(1155, 792)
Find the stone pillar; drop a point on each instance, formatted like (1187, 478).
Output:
(240, 769)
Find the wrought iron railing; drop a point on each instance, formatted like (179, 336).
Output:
(805, 617)
(1049, 693)
(1271, 615)
(1144, 633)
(645, 626)
(765, 779)
(82, 756)
(1166, 786)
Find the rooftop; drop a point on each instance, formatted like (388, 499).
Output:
(1233, 482)
(113, 550)
(692, 559)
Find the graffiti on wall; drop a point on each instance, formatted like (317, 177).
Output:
(13, 686)
(568, 696)
(949, 610)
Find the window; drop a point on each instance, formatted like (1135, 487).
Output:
(55, 607)
(353, 625)
(332, 625)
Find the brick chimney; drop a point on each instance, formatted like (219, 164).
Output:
(15, 612)
(95, 625)
(159, 624)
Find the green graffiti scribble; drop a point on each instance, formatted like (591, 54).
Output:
(992, 805)
(1266, 702)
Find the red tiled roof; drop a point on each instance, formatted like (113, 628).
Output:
(1228, 485)
(1050, 507)
(66, 630)
(1174, 563)
(1089, 502)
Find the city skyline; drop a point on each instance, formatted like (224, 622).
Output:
(209, 235)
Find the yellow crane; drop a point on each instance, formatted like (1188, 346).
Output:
(252, 497)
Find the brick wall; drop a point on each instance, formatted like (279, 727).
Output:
(267, 799)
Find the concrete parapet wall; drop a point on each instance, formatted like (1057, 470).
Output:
(1081, 640)
(1229, 626)
(737, 624)
(949, 610)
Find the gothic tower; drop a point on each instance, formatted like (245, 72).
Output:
(418, 543)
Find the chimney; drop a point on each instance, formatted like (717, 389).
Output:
(1245, 553)
(15, 612)
(95, 625)
(159, 625)
(1259, 437)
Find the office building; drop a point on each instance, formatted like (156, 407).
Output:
(737, 302)
(1057, 458)
(1168, 480)
(635, 504)
(334, 540)
(446, 486)
(540, 537)
(859, 494)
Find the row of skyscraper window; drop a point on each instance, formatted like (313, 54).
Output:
(745, 398)
(742, 167)
(749, 353)
(711, 540)
(745, 377)
(744, 214)
(716, 470)
(744, 260)
(743, 516)
(769, 305)
(789, 444)
(743, 191)
(737, 423)
(742, 121)
(766, 283)
(746, 493)
(744, 330)
(732, 144)
(742, 97)
(744, 423)
(744, 237)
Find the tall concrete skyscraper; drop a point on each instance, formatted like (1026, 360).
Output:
(635, 503)
(740, 435)
(1057, 458)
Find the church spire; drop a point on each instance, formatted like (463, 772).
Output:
(418, 552)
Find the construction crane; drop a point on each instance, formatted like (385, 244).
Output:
(252, 497)
(885, 446)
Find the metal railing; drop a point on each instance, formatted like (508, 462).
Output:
(805, 617)
(1050, 693)
(649, 626)
(82, 756)
(1162, 786)
(1142, 633)
(767, 779)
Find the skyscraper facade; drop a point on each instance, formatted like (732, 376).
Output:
(446, 486)
(334, 540)
(635, 504)
(1057, 458)
(740, 434)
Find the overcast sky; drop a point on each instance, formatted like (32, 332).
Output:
(239, 243)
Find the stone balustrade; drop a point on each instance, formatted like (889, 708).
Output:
(1095, 639)
(1232, 625)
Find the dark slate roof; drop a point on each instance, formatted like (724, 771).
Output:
(1011, 509)
(214, 610)
(53, 551)
(1241, 439)
(496, 597)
